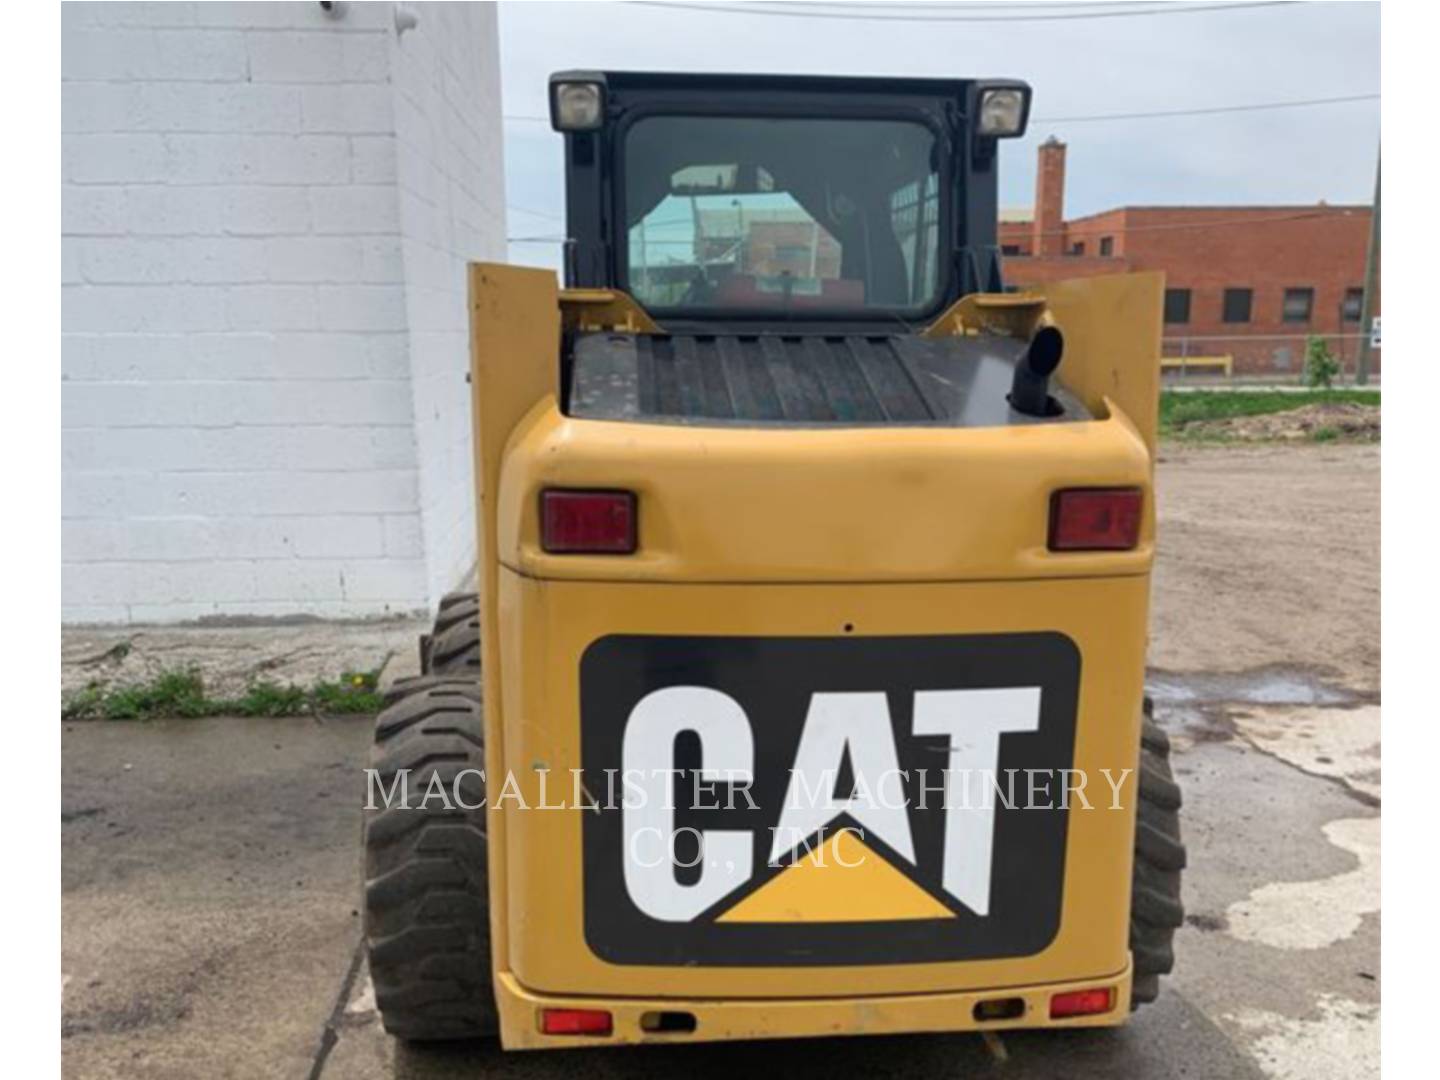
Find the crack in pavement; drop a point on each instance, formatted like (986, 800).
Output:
(1225, 701)
(330, 1035)
(1285, 894)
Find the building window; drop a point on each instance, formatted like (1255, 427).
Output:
(1077, 248)
(1298, 305)
(1237, 305)
(1177, 305)
(1009, 249)
(1354, 301)
(1107, 245)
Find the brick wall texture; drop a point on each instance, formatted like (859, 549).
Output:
(1207, 250)
(266, 213)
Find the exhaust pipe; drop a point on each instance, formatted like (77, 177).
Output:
(1030, 390)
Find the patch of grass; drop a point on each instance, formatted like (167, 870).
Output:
(356, 692)
(182, 694)
(1180, 408)
(266, 699)
(171, 693)
(1325, 434)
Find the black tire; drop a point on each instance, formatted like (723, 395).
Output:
(453, 646)
(1155, 908)
(427, 901)
(456, 607)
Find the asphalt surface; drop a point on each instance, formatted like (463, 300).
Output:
(209, 875)
(210, 888)
(211, 868)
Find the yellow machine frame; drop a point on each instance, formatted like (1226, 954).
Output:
(732, 544)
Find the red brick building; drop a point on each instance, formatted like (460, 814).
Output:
(1250, 282)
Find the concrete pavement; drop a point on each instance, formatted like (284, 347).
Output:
(210, 888)
(211, 875)
(209, 882)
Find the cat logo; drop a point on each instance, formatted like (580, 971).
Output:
(810, 800)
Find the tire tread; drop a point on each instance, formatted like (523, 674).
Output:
(1156, 909)
(427, 908)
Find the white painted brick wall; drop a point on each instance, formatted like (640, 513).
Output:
(264, 409)
(450, 173)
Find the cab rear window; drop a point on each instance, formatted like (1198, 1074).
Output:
(775, 214)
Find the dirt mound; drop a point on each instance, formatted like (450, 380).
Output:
(1321, 422)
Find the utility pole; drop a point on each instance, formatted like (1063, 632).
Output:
(1372, 268)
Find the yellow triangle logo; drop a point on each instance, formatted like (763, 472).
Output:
(843, 880)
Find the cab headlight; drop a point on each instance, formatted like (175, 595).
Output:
(577, 105)
(1002, 112)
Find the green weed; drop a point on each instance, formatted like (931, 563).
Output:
(182, 693)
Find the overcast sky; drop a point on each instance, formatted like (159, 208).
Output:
(1078, 67)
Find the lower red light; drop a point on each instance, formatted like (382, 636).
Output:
(575, 1022)
(1095, 519)
(1081, 1003)
(581, 522)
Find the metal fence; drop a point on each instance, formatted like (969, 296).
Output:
(1257, 358)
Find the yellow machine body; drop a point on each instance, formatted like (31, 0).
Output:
(815, 534)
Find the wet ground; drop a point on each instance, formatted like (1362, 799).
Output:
(211, 877)
(210, 869)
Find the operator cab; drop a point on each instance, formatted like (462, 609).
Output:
(800, 202)
(790, 246)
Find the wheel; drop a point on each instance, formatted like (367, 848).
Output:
(427, 901)
(1155, 908)
(456, 607)
(453, 646)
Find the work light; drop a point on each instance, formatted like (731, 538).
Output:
(1002, 111)
(577, 102)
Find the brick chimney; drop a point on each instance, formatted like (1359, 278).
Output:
(1050, 199)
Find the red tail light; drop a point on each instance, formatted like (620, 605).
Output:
(1095, 519)
(587, 522)
(575, 1022)
(1080, 1003)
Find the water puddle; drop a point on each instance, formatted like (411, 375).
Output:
(1290, 713)
(1262, 686)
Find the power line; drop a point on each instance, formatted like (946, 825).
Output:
(800, 13)
(1021, 5)
(1083, 227)
(1098, 117)
(537, 213)
(954, 12)
(1256, 107)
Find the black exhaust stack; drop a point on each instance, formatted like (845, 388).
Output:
(1030, 391)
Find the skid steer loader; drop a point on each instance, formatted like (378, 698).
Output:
(802, 693)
